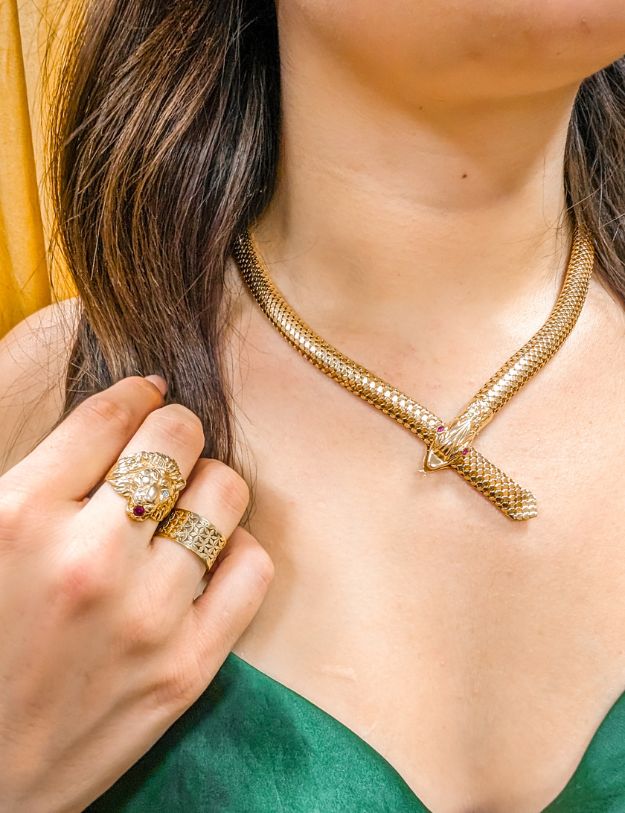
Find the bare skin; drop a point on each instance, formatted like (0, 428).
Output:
(415, 226)
(108, 634)
(477, 655)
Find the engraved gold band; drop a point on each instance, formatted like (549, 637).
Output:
(194, 532)
(151, 482)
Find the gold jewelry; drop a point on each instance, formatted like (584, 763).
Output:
(448, 445)
(194, 532)
(151, 482)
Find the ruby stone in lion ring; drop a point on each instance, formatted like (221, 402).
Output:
(151, 482)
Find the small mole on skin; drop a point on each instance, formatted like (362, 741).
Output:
(464, 174)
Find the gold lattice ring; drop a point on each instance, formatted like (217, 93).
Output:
(194, 532)
(151, 482)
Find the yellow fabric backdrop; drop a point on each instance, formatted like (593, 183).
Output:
(26, 280)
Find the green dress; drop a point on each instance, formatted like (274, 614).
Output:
(251, 745)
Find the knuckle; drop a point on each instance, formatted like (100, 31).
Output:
(81, 580)
(179, 425)
(260, 566)
(257, 564)
(14, 511)
(178, 685)
(141, 629)
(232, 490)
(116, 414)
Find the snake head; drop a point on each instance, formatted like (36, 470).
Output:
(449, 444)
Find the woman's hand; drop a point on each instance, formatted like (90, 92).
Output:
(102, 646)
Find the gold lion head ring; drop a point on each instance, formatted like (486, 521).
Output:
(151, 482)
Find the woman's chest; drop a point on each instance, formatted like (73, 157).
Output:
(478, 655)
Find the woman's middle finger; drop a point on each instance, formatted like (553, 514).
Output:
(219, 495)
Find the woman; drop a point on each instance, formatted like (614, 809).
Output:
(412, 177)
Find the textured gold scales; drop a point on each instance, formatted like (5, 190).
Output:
(447, 445)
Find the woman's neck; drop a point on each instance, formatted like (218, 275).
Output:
(401, 211)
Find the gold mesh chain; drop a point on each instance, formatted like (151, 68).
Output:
(447, 446)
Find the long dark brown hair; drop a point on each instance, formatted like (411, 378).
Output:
(164, 143)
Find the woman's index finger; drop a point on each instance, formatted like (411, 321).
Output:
(76, 455)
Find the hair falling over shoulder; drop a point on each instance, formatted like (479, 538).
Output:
(164, 143)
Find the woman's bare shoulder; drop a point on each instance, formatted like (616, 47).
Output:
(33, 363)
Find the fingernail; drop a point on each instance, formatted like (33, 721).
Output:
(158, 381)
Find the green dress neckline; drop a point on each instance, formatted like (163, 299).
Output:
(250, 744)
(612, 725)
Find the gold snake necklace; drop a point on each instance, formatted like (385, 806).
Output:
(448, 445)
